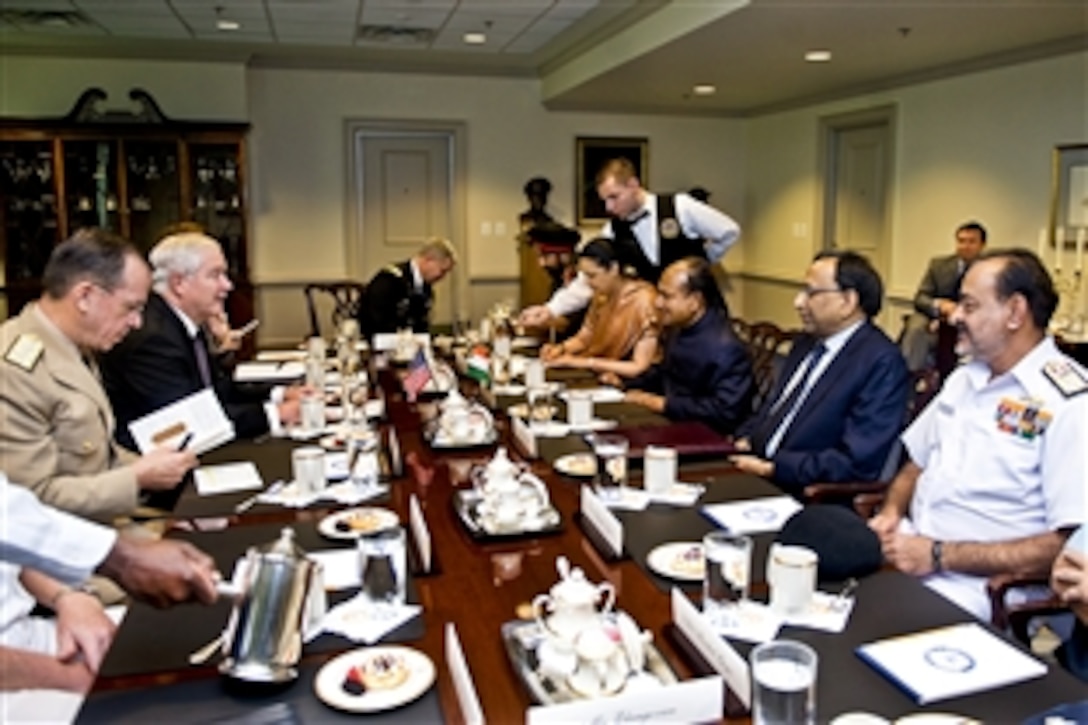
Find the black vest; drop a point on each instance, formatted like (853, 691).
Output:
(672, 244)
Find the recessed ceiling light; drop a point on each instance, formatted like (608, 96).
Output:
(475, 38)
(818, 56)
(228, 24)
(704, 89)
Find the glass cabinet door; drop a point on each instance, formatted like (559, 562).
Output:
(153, 190)
(90, 185)
(28, 209)
(218, 199)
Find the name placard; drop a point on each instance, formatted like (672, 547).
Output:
(420, 533)
(690, 701)
(603, 520)
(524, 436)
(717, 651)
(467, 698)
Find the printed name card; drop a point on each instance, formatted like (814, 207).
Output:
(717, 651)
(603, 520)
(396, 463)
(691, 701)
(467, 698)
(524, 436)
(420, 533)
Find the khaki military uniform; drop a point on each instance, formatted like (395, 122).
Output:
(56, 424)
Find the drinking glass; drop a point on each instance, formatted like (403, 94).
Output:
(611, 453)
(579, 408)
(783, 683)
(312, 412)
(535, 377)
(308, 469)
(383, 566)
(540, 404)
(728, 572)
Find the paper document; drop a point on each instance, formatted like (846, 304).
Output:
(227, 478)
(754, 516)
(199, 414)
(951, 661)
(269, 372)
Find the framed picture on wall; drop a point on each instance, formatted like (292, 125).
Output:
(590, 154)
(1069, 194)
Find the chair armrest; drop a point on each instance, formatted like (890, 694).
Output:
(1016, 617)
(841, 493)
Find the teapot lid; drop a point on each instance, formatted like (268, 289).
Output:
(501, 463)
(454, 399)
(284, 546)
(573, 587)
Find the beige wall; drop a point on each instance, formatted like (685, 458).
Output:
(972, 147)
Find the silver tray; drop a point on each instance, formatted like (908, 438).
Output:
(430, 431)
(521, 638)
(467, 502)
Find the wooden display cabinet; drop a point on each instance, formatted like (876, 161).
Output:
(135, 173)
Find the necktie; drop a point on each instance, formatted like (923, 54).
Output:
(785, 405)
(200, 351)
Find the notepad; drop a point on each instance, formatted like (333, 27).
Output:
(755, 515)
(199, 414)
(227, 478)
(269, 372)
(950, 661)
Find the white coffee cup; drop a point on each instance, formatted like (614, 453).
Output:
(659, 469)
(791, 574)
(579, 408)
(534, 373)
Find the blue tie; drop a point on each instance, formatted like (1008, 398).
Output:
(782, 407)
(200, 351)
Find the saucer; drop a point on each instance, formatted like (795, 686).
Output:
(682, 560)
(374, 679)
(577, 465)
(350, 524)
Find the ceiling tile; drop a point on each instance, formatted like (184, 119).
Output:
(409, 18)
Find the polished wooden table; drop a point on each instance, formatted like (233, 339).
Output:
(481, 586)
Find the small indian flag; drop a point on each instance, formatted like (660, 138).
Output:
(478, 365)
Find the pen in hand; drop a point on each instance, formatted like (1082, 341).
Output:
(185, 442)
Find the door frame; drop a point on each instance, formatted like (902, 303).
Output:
(456, 134)
(831, 129)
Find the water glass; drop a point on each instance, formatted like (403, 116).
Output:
(579, 408)
(535, 376)
(611, 477)
(383, 566)
(362, 451)
(315, 373)
(728, 573)
(312, 412)
(783, 683)
(659, 469)
(308, 469)
(317, 348)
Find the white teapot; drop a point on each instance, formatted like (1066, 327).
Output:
(462, 421)
(509, 492)
(572, 604)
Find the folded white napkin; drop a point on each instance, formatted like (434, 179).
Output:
(345, 493)
(751, 622)
(679, 494)
(558, 428)
(827, 612)
(629, 499)
(360, 620)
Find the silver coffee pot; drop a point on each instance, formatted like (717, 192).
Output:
(278, 593)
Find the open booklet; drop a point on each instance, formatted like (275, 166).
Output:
(199, 415)
(950, 661)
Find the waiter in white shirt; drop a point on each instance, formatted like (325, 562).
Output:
(650, 232)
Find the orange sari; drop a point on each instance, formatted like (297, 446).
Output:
(615, 324)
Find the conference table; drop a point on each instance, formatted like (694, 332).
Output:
(479, 586)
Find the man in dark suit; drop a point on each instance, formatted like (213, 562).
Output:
(937, 295)
(838, 406)
(400, 295)
(704, 373)
(168, 357)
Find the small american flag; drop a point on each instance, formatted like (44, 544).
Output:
(419, 374)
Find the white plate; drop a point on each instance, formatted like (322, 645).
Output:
(521, 410)
(666, 559)
(329, 682)
(578, 465)
(373, 518)
(936, 718)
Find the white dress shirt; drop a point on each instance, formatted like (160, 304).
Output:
(696, 219)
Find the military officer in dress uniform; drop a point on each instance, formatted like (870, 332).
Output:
(650, 232)
(993, 484)
(56, 424)
(400, 295)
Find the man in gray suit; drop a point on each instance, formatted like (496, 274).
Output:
(937, 295)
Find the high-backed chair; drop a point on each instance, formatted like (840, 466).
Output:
(342, 297)
(768, 345)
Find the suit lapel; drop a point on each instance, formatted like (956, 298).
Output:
(172, 326)
(827, 381)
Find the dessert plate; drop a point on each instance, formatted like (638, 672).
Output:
(374, 679)
(681, 560)
(352, 523)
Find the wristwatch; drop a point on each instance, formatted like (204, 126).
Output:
(935, 555)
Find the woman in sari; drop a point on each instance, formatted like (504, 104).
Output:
(619, 334)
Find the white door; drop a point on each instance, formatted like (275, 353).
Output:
(404, 197)
(861, 180)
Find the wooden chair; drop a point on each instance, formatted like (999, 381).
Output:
(768, 345)
(345, 299)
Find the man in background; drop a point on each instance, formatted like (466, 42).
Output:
(937, 296)
(400, 296)
(56, 423)
(704, 374)
(650, 233)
